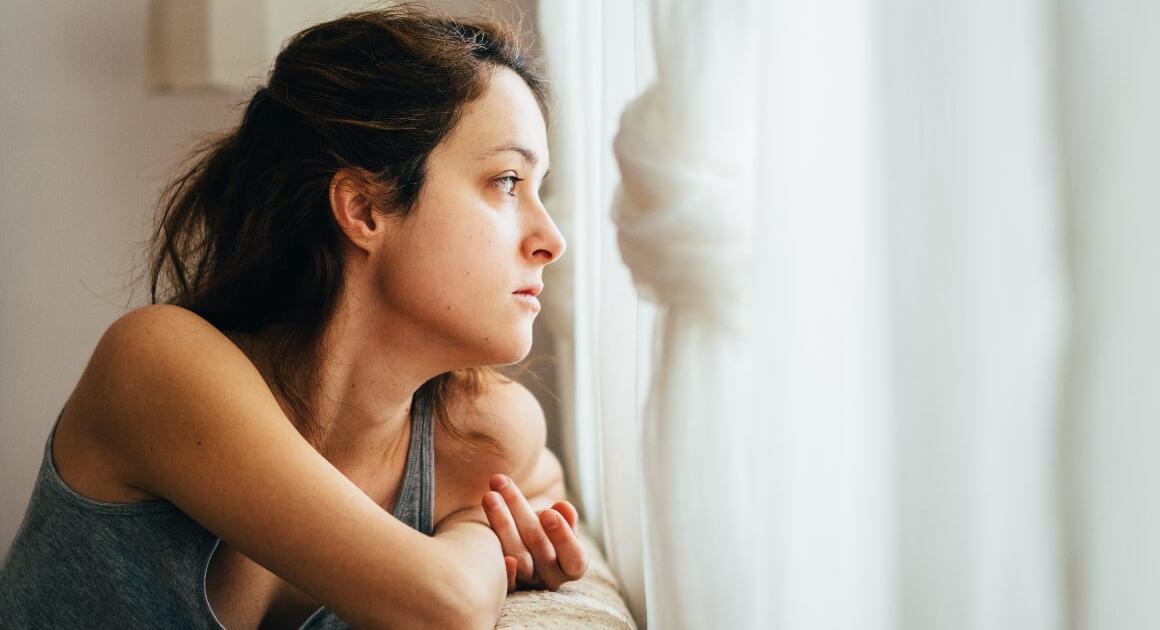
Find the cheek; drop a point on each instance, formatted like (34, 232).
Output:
(453, 274)
(450, 270)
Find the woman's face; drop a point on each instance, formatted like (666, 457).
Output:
(477, 235)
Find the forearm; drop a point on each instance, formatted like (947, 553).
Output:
(466, 540)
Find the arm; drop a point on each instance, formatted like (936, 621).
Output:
(187, 417)
(475, 550)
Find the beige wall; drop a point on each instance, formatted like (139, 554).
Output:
(84, 149)
(83, 152)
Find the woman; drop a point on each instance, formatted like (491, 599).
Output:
(270, 445)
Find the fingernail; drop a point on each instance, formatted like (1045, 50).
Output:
(549, 522)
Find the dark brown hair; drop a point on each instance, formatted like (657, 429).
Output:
(245, 237)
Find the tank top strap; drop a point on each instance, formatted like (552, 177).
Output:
(416, 504)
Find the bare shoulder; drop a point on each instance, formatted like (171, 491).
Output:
(150, 352)
(146, 356)
(157, 332)
(505, 411)
(506, 433)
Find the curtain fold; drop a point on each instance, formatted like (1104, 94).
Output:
(684, 214)
(1110, 93)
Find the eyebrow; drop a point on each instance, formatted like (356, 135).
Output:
(528, 154)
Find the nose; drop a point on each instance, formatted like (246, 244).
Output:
(544, 243)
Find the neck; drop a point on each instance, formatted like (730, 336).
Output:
(360, 396)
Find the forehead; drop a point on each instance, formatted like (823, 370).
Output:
(507, 114)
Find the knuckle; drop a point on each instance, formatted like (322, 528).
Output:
(545, 549)
(558, 533)
(505, 517)
(506, 533)
(534, 538)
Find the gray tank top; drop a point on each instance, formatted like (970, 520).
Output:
(79, 563)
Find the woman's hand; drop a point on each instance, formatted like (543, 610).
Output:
(541, 549)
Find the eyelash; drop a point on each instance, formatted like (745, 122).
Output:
(514, 180)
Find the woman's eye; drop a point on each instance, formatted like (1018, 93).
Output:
(507, 183)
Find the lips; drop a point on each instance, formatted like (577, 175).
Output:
(527, 296)
(532, 290)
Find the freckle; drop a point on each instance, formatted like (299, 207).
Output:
(199, 442)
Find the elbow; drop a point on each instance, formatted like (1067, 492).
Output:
(469, 620)
(471, 603)
(453, 599)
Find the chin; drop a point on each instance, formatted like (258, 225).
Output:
(515, 350)
(500, 343)
(515, 356)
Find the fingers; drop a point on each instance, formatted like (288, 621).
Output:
(549, 536)
(531, 531)
(570, 554)
(502, 523)
(568, 512)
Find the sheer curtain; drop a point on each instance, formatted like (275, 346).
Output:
(905, 359)
(598, 56)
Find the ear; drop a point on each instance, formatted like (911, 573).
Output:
(354, 209)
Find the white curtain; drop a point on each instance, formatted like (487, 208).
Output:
(684, 213)
(1111, 426)
(598, 56)
(905, 371)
